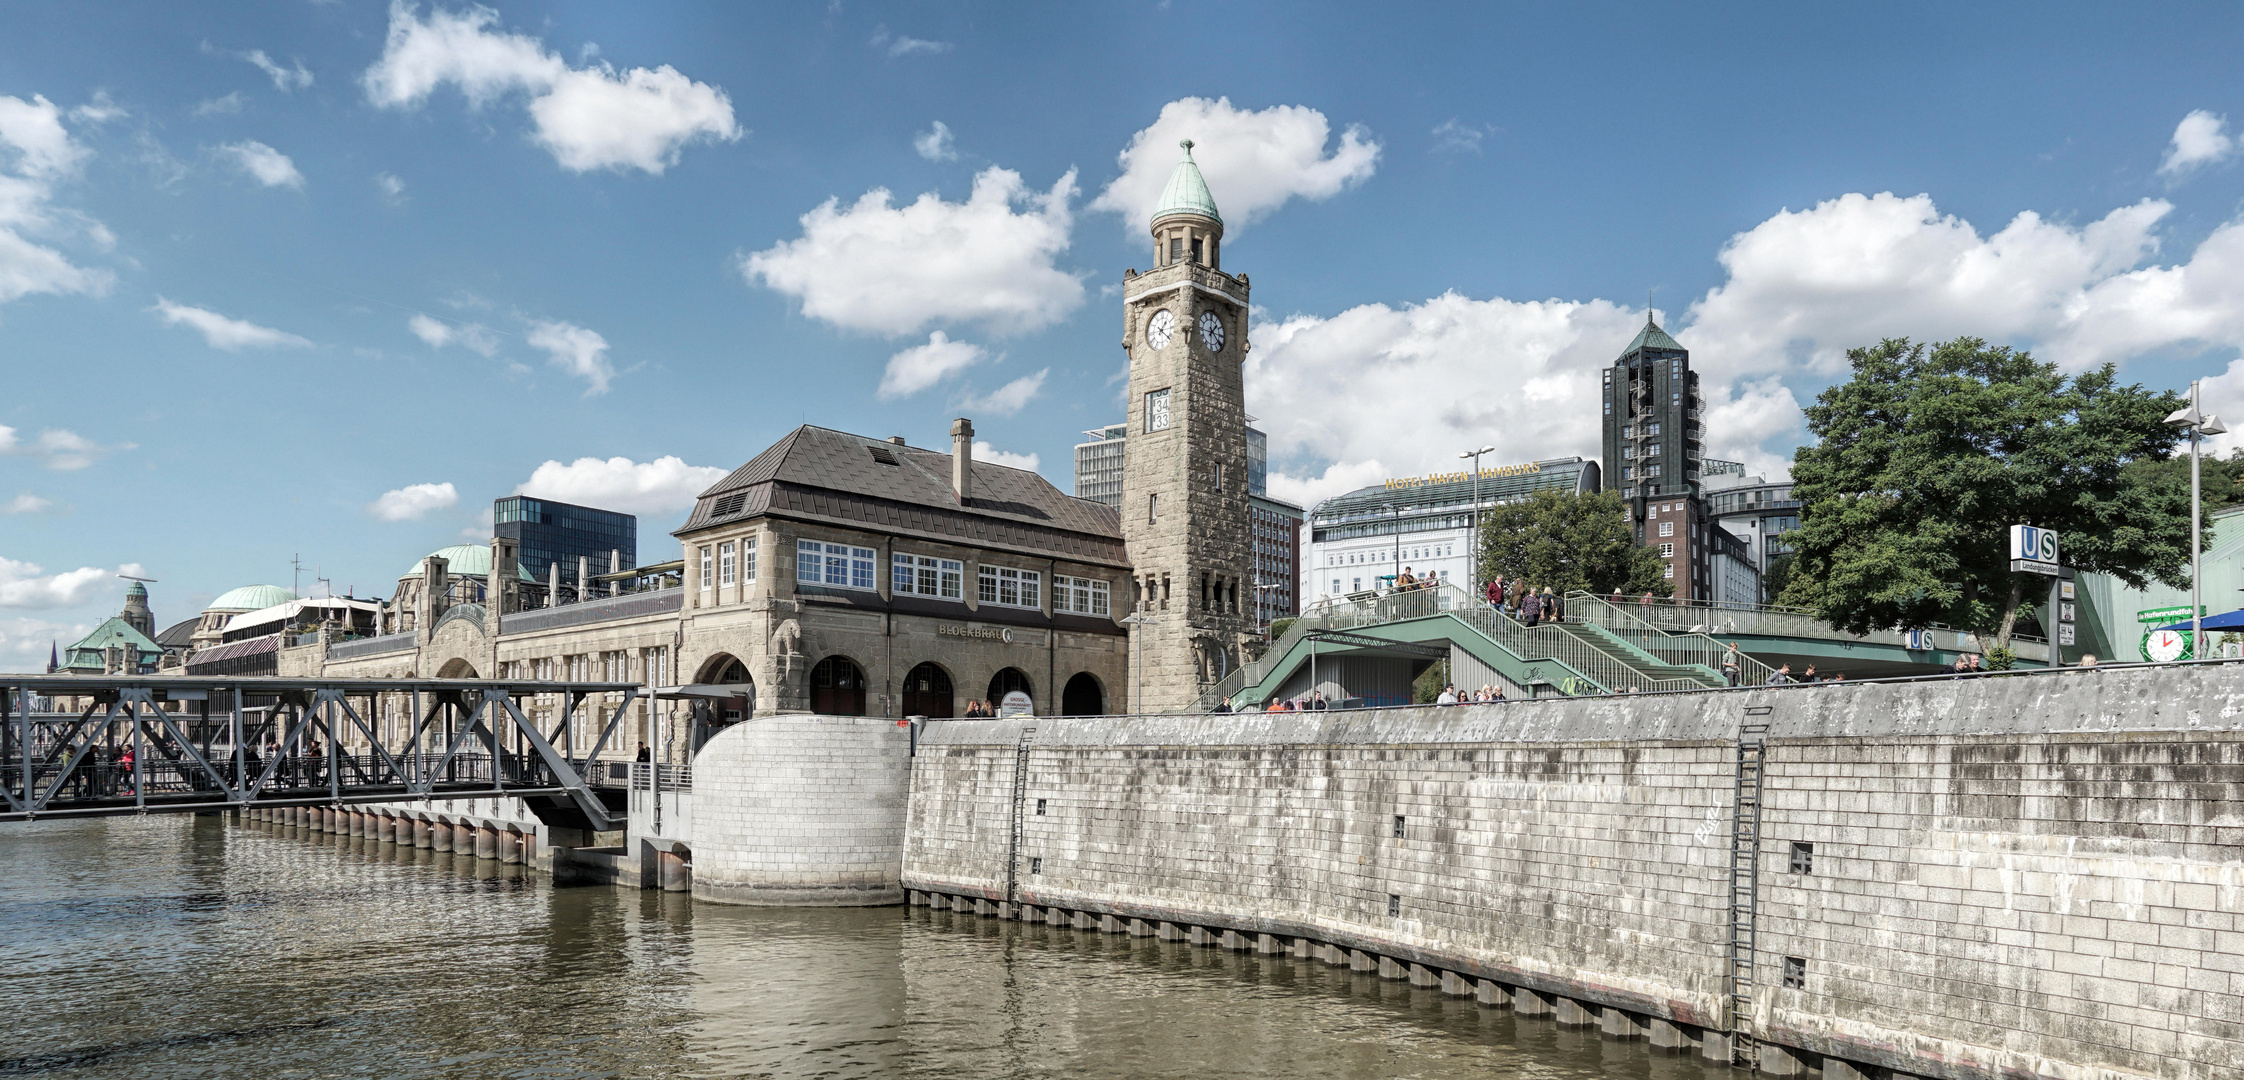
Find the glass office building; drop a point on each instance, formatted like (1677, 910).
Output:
(550, 532)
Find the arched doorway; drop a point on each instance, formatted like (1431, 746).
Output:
(1083, 696)
(927, 692)
(837, 687)
(1005, 682)
(457, 668)
(725, 669)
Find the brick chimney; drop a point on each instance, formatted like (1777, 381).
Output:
(962, 458)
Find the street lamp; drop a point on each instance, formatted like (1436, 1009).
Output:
(1140, 617)
(2198, 425)
(1472, 549)
(1396, 568)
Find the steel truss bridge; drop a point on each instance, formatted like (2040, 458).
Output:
(75, 746)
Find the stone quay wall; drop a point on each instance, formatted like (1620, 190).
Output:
(801, 809)
(2024, 876)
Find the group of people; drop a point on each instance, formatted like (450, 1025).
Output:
(977, 709)
(1524, 602)
(1487, 693)
(1782, 676)
(1315, 701)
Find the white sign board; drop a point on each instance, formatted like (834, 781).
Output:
(2064, 633)
(1016, 703)
(2033, 550)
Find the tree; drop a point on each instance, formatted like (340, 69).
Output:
(1568, 542)
(1928, 455)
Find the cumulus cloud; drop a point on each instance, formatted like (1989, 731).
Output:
(985, 452)
(59, 449)
(588, 118)
(36, 153)
(414, 502)
(264, 164)
(892, 270)
(2201, 138)
(24, 585)
(921, 366)
(666, 485)
(284, 79)
(935, 144)
(30, 641)
(1011, 397)
(232, 335)
(436, 333)
(1254, 161)
(576, 350)
(900, 45)
(27, 503)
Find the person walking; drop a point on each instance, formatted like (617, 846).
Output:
(1781, 676)
(1554, 608)
(1448, 696)
(1732, 666)
(1317, 701)
(1531, 609)
(1495, 591)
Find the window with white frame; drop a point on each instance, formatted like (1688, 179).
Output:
(748, 560)
(1667, 551)
(727, 564)
(708, 577)
(1667, 528)
(1007, 587)
(1083, 596)
(1669, 572)
(925, 575)
(836, 566)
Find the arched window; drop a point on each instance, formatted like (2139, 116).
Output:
(927, 692)
(1005, 682)
(837, 687)
(726, 670)
(1083, 696)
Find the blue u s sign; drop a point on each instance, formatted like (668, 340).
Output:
(2033, 543)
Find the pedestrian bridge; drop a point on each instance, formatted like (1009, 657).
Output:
(1365, 650)
(90, 745)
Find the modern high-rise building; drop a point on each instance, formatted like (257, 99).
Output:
(1098, 465)
(1653, 445)
(549, 532)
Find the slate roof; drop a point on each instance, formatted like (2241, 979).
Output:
(1652, 337)
(178, 635)
(818, 474)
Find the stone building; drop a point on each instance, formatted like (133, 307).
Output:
(1184, 509)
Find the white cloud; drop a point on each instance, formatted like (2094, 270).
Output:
(59, 449)
(900, 45)
(437, 333)
(23, 586)
(576, 350)
(1253, 161)
(1011, 397)
(284, 79)
(1339, 478)
(219, 106)
(921, 366)
(666, 485)
(588, 118)
(392, 188)
(27, 503)
(414, 502)
(936, 144)
(36, 152)
(266, 165)
(221, 332)
(985, 452)
(2200, 139)
(31, 641)
(99, 110)
(1457, 137)
(897, 269)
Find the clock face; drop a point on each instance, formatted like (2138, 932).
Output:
(1211, 331)
(1159, 330)
(2166, 646)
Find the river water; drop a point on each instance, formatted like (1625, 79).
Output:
(170, 947)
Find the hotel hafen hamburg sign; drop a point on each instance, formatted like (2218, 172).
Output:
(1461, 477)
(2166, 645)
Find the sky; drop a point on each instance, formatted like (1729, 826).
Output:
(314, 283)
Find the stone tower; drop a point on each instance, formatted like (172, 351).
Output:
(1184, 481)
(136, 613)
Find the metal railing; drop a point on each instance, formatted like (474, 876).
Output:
(1771, 620)
(1685, 648)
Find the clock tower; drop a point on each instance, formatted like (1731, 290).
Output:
(1184, 479)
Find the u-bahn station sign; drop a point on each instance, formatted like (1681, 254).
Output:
(1460, 477)
(2033, 550)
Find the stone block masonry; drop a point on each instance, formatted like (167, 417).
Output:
(796, 809)
(2031, 876)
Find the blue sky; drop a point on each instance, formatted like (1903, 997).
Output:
(324, 279)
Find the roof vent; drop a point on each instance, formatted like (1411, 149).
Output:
(729, 505)
(883, 455)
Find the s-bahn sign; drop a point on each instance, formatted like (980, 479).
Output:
(2033, 550)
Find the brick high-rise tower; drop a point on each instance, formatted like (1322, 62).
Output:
(1184, 507)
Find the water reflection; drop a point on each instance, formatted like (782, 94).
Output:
(186, 947)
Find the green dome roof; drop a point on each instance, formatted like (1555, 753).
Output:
(1652, 337)
(136, 589)
(251, 598)
(472, 560)
(1187, 192)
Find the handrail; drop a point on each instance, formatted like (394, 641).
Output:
(1732, 617)
(1688, 647)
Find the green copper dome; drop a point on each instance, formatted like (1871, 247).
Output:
(1652, 337)
(251, 598)
(1187, 192)
(471, 560)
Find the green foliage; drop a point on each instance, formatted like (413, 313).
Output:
(1999, 658)
(2222, 479)
(1929, 454)
(1278, 627)
(1777, 576)
(1427, 686)
(1569, 542)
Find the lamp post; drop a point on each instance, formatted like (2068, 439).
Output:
(1396, 566)
(1472, 548)
(1134, 620)
(2198, 425)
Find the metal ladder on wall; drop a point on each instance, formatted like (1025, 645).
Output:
(1020, 793)
(1745, 882)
